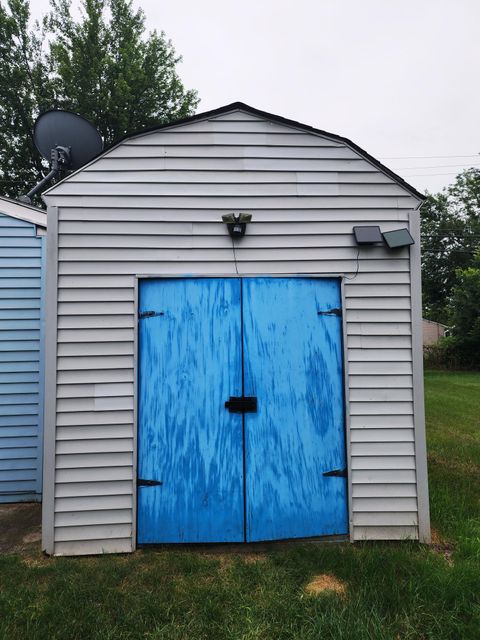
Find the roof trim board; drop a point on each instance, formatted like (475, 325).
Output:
(240, 106)
(23, 212)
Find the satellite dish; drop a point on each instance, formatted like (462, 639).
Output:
(67, 130)
(66, 140)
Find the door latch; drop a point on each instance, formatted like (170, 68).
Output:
(242, 404)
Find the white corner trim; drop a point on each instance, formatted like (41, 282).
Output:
(49, 422)
(424, 533)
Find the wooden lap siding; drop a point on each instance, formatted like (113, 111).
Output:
(20, 380)
(153, 206)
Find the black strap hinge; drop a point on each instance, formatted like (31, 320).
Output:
(337, 473)
(148, 483)
(330, 312)
(149, 314)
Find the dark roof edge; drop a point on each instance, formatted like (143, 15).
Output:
(269, 116)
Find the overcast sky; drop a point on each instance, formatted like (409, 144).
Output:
(398, 77)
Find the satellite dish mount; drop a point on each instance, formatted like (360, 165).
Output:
(59, 159)
(67, 141)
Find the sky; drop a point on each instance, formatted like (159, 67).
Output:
(398, 77)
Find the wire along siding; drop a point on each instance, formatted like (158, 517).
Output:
(153, 205)
(21, 381)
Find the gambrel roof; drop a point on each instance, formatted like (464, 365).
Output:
(240, 106)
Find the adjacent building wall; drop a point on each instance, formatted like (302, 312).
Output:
(432, 331)
(21, 378)
(153, 205)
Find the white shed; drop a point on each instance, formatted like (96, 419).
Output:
(203, 388)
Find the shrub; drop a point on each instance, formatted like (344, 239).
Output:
(452, 353)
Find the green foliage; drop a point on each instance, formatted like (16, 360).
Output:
(24, 92)
(465, 313)
(442, 355)
(450, 237)
(466, 304)
(102, 66)
(461, 350)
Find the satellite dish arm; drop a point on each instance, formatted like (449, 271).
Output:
(27, 199)
(60, 159)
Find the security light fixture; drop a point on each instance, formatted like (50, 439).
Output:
(237, 223)
(398, 238)
(367, 234)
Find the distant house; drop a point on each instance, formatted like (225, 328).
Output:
(432, 332)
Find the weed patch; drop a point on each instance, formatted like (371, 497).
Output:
(325, 582)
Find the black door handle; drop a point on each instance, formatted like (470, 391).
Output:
(241, 404)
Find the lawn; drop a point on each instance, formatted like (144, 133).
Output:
(394, 591)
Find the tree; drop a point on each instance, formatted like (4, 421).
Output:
(465, 313)
(102, 66)
(450, 237)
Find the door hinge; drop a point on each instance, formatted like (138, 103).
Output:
(149, 314)
(330, 312)
(148, 483)
(338, 473)
(242, 404)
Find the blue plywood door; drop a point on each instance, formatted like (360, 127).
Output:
(293, 364)
(190, 361)
(227, 476)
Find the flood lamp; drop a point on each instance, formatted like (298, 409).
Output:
(367, 234)
(237, 223)
(398, 238)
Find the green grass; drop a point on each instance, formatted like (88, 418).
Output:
(395, 591)
(453, 433)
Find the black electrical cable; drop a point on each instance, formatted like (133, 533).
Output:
(358, 266)
(234, 256)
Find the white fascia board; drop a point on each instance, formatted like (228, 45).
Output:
(23, 212)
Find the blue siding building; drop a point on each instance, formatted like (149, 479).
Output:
(22, 258)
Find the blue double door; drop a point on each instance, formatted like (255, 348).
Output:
(208, 472)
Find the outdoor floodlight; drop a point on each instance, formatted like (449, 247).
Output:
(237, 223)
(398, 238)
(367, 234)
